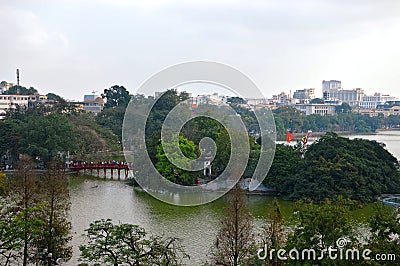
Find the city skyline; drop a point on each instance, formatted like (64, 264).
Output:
(75, 47)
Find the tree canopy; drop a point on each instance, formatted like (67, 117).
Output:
(116, 96)
(21, 90)
(128, 244)
(48, 132)
(358, 169)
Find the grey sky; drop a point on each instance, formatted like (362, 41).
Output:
(74, 47)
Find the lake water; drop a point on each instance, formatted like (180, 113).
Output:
(95, 198)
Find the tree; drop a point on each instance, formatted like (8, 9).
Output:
(3, 179)
(384, 228)
(57, 227)
(235, 243)
(44, 137)
(255, 151)
(320, 226)
(343, 108)
(112, 118)
(274, 236)
(221, 159)
(317, 101)
(21, 90)
(357, 169)
(34, 216)
(284, 169)
(236, 100)
(173, 173)
(116, 96)
(163, 105)
(9, 141)
(18, 225)
(10, 233)
(54, 97)
(91, 138)
(129, 244)
(25, 185)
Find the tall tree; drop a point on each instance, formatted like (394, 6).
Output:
(116, 96)
(18, 226)
(9, 141)
(274, 236)
(56, 235)
(128, 244)
(163, 105)
(25, 184)
(235, 243)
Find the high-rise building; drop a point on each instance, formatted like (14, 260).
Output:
(331, 84)
(332, 90)
(304, 95)
(328, 85)
(352, 97)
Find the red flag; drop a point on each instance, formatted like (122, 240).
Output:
(289, 137)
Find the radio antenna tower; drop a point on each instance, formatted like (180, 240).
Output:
(17, 77)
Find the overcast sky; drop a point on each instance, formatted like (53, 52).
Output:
(73, 47)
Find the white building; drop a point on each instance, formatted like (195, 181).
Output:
(371, 102)
(8, 102)
(93, 103)
(304, 95)
(257, 101)
(352, 97)
(209, 99)
(281, 99)
(317, 109)
(330, 84)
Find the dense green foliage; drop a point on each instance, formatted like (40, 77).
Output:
(172, 172)
(45, 133)
(116, 96)
(21, 90)
(319, 226)
(128, 244)
(54, 97)
(195, 130)
(112, 117)
(357, 169)
(384, 226)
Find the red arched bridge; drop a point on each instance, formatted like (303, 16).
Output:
(91, 167)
